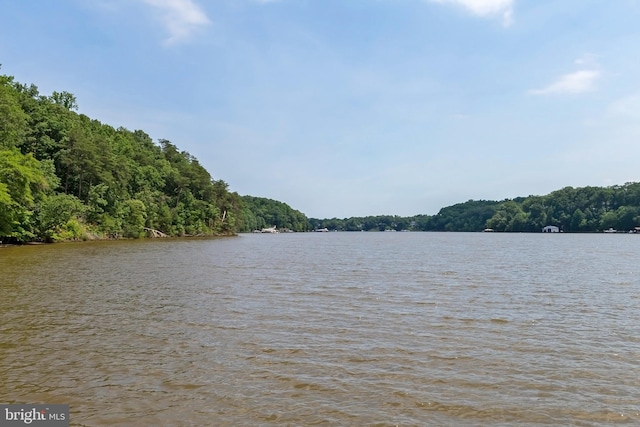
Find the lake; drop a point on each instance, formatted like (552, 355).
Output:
(327, 329)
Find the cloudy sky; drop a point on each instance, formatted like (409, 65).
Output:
(346, 108)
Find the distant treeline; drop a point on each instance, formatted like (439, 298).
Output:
(65, 176)
(259, 213)
(586, 209)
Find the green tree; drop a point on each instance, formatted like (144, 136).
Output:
(135, 215)
(578, 221)
(65, 99)
(13, 121)
(54, 213)
(508, 217)
(260, 212)
(21, 183)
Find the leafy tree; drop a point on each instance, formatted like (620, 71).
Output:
(259, 212)
(578, 221)
(123, 180)
(6, 211)
(135, 214)
(13, 121)
(21, 184)
(54, 213)
(64, 99)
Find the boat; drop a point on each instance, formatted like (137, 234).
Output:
(610, 230)
(271, 230)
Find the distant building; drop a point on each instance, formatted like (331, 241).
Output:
(551, 229)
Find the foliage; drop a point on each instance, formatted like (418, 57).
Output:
(65, 176)
(62, 173)
(468, 216)
(54, 214)
(22, 185)
(587, 209)
(258, 213)
(13, 121)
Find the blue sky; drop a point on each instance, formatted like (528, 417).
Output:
(346, 108)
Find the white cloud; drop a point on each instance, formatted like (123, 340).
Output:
(486, 8)
(181, 17)
(572, 83)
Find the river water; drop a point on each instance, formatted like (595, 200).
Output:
(327, 329)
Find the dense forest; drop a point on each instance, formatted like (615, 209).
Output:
(586, 209)
(259, 213)
(64, 176)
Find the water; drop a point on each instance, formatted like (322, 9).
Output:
(327, 329)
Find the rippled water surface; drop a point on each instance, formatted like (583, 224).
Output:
(327, 329)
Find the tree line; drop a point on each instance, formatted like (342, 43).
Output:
(66, 176)
(584, 209)
(260, 212)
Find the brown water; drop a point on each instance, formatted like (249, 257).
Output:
(327, 329)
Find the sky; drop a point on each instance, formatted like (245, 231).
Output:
(345, 108)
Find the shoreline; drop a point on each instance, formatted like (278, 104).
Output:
(112, 239)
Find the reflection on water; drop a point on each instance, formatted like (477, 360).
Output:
(376, 329)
